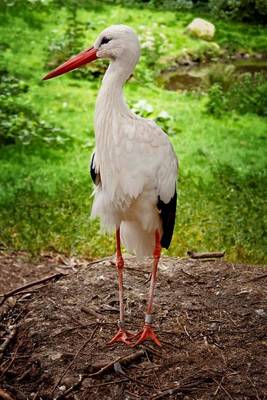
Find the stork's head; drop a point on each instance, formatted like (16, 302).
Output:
(118, 43)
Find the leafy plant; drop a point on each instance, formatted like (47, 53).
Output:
(222, 75)
(162, 4)
(28, 10)
(247, 94)
(152, 43)
(71, 43)
(18, 122)
(244, 10)
(163, 119)
(172, 4)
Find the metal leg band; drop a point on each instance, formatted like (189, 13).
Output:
(121, 324)
(149, 319)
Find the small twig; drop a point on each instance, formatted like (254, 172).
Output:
(124, 360)
(255, 388)
(74, 358)
(153, 351)
(26, 292)
(229, 316)
(30, 284)
(170, 344)
(18, 394)
(98, 261)
(223, 388)
(216, 254)
(165, 393)
(71, 388)
(72, 329)
(136, 380)
(190, 275)
(25, 374)
(106, 383)
(141, 272)
(132, 394)
(148, 279)
(5, 396)
(258, 277)
(153, 371)
(12, 359)
(219, 387)
(187, 333)
(35, 397)
(12, 333)
(90, 311)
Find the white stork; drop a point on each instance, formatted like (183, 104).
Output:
(134, 167)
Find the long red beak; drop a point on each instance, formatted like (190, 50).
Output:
(80, 59)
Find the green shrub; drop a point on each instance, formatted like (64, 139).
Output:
(163, 119)
(247, 94)
(72, 42)
(161, 4)
(221, 74)
(62, 48)
(244, 10)
(172, 4)
(28, 10)
(18, 122)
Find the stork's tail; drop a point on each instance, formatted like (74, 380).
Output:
(136, 239)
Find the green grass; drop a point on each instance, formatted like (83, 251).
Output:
(45, 194)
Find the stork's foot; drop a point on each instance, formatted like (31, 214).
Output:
(122, 336)
(147, 334)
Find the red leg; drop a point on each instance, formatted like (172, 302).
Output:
(148, 332)
(122, 335)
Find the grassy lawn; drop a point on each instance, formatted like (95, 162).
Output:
(45, 192)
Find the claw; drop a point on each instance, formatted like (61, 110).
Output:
(122, 336)
(147, 333)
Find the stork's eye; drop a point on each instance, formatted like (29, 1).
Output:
(105, 40)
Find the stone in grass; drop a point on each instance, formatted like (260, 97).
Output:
(201, 28)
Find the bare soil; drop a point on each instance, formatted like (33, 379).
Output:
(209, 315)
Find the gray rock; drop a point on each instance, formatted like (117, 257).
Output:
(201, 28)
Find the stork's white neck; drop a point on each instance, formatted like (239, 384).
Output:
(110, 97)
(110, 116)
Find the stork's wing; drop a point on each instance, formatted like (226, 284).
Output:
(93, 172)
(152, 158)
(135, 154)
(167, 215)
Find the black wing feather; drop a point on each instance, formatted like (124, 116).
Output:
(167, 215)
(94, 175)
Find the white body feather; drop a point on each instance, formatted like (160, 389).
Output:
(136, 163)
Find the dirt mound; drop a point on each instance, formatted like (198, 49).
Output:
(209, 316)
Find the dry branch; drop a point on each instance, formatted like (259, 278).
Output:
(167, 392)
(30, 284)
(92, 312)
(223, 388)
(3, 372)
(12, 333)
(216, 254)
(106, 383)
(258, 278)
(18, 394)
(75, 386)
(5, 396)
(123, 360)
(98, 261)
(74, 358)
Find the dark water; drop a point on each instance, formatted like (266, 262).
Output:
(197, 76)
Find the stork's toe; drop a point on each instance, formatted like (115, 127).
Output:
(122, 336)
(147, 334)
